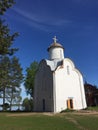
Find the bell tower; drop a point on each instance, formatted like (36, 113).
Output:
(56, 50)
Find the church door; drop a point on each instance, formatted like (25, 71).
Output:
(43, 105)
(70, 103)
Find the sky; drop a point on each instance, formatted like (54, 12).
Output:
(73, 22)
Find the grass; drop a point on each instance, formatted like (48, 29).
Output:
(62, 121)
(94, 108)
(85, 121)
(88, 122)
(36, 122)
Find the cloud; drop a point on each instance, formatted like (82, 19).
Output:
(43, 22)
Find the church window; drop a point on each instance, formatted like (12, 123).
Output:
(68, 72)
(60, 53)
(43, 105)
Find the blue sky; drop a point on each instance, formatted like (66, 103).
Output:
(74, 22)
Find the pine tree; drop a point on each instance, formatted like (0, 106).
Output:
(10, 69)
(15, 79)
(5, 4)
(4, 78)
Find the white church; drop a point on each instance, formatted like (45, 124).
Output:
(58, 84)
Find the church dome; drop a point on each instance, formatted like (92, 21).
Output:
(56, 50)
(55, 44)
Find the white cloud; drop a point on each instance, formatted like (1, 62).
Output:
(41, 21)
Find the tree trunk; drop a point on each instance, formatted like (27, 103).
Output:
(11, 100)
(4, 99)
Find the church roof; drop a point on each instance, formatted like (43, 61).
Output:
(55, 44)
(53, 64)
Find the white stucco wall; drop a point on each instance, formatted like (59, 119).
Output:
(58, 84)
(56, 53)
(68, 84)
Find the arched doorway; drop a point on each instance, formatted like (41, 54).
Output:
(70, 103)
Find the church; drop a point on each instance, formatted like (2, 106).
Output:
(58, 83)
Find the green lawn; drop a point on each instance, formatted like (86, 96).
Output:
(94, 108)
(66, 121)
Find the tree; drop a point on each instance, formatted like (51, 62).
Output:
(5, 4)
(30, 77)
(10, 79)
(5, 106)
(15, 79)
(4, 78)
(18, 101)
(6, 40)
(10, 69)
(27, 104)
(91, 92)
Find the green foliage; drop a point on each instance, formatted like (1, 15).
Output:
(5, 106)
(30, 77)
(10, 79)
(5, 4)
(10, 69)
(27, 104)
(6, 40)
(4, 71)
(15, 72)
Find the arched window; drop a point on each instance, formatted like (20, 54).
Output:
(43, 105)
(68, 71)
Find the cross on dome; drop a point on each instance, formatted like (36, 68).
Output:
(55, 39)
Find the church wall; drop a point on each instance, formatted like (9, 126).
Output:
(69, 85)
(43, 96)
(58, 84)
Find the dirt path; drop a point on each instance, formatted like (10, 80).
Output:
(52, 114)
(83, 112)
(29, 114)
(21, 114)
(70, 119)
